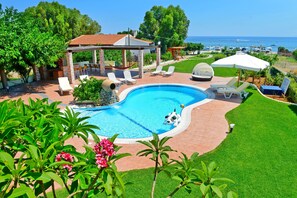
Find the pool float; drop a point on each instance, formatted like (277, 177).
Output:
(172, 118)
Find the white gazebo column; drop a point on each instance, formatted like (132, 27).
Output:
(94, 57)
(70, 67)
(158, 56)
(101, 61)
(140, 63)
(124, 58)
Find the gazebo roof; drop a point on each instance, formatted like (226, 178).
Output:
(100, 39)
(176, 48)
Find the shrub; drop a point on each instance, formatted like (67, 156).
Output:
(295, 54)
(292, 91)
(167, 56)
(148, 59)
(278, 79)
(202, 55)
(154, 56)
(274, 77)
(182, 53)
(282, 49)
(269, 58)
(88, 90)
(218, 56)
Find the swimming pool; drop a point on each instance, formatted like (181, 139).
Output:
(142, 110)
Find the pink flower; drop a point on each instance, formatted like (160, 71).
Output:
(67, 157)
(103, 150)
(68, 167)
(101, 162)
(105, 147)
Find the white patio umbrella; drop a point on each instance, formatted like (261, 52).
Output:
(241, 61)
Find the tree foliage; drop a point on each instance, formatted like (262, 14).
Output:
(282, 50)
(8, 34)
(194, 46)
(65, 22)
(168, 25)
(24, 46)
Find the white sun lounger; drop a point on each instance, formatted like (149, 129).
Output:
(128, 77)
(229, 84)
(158, 70)
(228, 92)
(111, 76)
(170, 71)
(64, 84)
(82, 77)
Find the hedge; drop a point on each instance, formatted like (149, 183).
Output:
(292, 91)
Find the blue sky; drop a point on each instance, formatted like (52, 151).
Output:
(208, 17)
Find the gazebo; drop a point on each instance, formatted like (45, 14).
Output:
(103, 42)
(175, 51)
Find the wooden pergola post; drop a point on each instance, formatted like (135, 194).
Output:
(140, 63)
(158, 56)
(70, 67)
(94, 57)
(102, 66)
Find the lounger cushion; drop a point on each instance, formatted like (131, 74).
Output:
(272, 90)
(201, 78)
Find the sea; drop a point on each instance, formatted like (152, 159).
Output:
(211, 42)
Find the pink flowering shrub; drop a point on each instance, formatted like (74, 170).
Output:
(67, 157)
(104, 149)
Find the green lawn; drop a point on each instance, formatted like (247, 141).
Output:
(188, 65)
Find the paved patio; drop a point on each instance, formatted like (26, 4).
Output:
(207, 129)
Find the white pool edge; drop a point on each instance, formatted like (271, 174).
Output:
(186, 113)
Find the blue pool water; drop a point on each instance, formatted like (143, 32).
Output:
(143, 111)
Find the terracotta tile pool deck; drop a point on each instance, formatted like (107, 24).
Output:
(206, 131)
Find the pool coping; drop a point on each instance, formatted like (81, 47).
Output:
(186, 113)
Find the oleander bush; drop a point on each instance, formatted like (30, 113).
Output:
(34, 155)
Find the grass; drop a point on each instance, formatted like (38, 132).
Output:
(287, 59)
(260, 154)
(187, 66)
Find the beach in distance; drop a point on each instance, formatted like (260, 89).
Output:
(245, 41)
